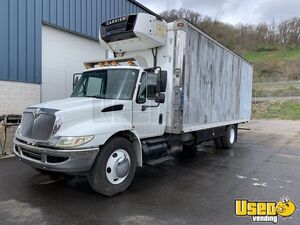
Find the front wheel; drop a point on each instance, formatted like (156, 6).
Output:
(114, 167)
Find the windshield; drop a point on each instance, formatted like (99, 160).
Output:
(107, 84)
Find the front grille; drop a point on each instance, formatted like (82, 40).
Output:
(37, 127)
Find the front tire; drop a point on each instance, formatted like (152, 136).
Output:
(114, 167)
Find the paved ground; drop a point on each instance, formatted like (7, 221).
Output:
(201, 189)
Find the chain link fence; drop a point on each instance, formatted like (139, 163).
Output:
(284, 90)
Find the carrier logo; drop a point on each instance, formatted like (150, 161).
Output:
(117, 20)
(264, 211)
(36, 113)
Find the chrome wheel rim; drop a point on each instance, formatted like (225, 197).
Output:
(118, 166)
(232, 136)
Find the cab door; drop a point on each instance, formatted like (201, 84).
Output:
(149, 117)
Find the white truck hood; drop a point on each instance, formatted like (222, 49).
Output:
(77, 108)
(84, 116)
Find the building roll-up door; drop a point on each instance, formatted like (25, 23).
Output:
(63, 54)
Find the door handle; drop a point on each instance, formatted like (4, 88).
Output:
(160, 120)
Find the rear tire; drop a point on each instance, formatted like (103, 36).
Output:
(114, 167)
(230, 137)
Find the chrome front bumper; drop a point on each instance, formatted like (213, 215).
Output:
(58, 160)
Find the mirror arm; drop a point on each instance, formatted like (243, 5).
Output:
(74, 77)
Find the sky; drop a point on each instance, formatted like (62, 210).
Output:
(233, 11)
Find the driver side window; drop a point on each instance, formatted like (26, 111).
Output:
(147, 88)
(141, 97)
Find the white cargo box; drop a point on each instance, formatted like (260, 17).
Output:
(212, 84)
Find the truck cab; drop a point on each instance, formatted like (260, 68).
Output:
(113, 104)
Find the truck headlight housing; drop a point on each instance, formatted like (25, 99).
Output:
(67, 142)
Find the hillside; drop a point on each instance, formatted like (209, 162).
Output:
(281, 64)
(273, 48)
(261, 56)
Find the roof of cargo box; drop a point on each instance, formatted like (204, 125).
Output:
(215, 40)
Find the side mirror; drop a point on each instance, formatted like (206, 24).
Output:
(162, 81)
(160, 98)
(76, 78)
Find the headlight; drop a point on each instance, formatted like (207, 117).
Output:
(67, 142)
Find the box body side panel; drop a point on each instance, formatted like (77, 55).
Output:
(217, 84)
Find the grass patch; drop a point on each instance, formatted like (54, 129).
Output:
(287, 110)
(286, 54)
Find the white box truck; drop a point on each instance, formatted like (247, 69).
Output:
(168, 88)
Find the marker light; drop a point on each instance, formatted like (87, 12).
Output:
(180, 24)
(114, 63)
(131, 63)
(88, 66)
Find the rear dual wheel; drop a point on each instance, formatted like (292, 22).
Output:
(227, 141)
(114, 167)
